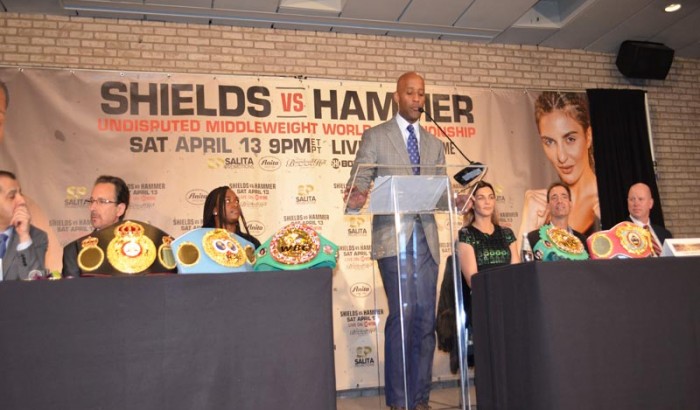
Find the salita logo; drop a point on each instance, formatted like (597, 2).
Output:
(360, 290)
(269, 163)
(364, 357)
(305, 195)
(215, 162)
(75, 196)
(357, 226)
(196, 196)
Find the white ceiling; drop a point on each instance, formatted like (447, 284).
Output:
(593, 25)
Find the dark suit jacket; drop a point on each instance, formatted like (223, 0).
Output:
(18, 264)
(661, 232)
(384, 145)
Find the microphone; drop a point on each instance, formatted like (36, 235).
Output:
(469, 173)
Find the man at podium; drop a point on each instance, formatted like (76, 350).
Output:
(402, 142)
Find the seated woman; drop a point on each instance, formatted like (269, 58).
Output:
(482, 243)
(222, 209)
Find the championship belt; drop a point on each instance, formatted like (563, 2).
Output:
(624, 240)
(296, 246)
(558, 244)
(126, 248)
(212, 250)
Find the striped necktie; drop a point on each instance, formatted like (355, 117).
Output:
(412, 145)
(654, 243)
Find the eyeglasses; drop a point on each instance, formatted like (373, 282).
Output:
(98, 201)
(232, 201)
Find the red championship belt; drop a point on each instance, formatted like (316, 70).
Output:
(624, 240)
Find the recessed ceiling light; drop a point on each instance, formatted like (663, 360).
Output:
(672, 7)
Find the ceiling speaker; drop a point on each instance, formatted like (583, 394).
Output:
(642, 59)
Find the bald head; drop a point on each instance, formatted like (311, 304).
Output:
(410, 96)
(640, 202)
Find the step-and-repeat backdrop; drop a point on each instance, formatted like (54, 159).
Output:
(285, 145)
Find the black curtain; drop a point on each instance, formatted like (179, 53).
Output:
(622, 152)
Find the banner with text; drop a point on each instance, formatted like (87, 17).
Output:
(284, 145)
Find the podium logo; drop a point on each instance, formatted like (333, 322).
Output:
(360, 290)
(269, 163)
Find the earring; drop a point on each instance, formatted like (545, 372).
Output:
(216, 213)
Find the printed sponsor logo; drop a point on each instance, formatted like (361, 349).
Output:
(357, 227)
(269, 163)
(305, 163)
(256, 228)
(230, 162)
(305, 195)
(196, 196)
(360, 290)
(364, 357)
(341, 163)
(75, 196)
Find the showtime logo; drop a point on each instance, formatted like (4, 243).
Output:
(270, 163)
(360, 290)
(196, 196)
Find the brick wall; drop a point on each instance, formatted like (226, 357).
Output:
(88, 43)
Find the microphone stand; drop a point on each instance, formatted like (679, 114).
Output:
(473, 171)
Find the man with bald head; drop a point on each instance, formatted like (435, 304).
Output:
(639, 204)
(404, 143)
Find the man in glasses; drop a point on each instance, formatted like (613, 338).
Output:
(108, 203)
(22, 245)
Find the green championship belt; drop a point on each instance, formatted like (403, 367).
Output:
(558, 244)
(296, 246)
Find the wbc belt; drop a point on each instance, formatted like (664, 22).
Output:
(558, 244)
(296, 246)
(624, 240)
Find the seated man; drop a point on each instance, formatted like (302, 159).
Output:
(22, 246)
(559, 207)
(639, 203)
(108, 203)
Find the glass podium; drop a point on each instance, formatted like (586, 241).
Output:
(414, 224)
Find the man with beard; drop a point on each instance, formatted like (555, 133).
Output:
(108, 203)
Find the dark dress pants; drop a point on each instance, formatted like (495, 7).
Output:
(418, 271)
